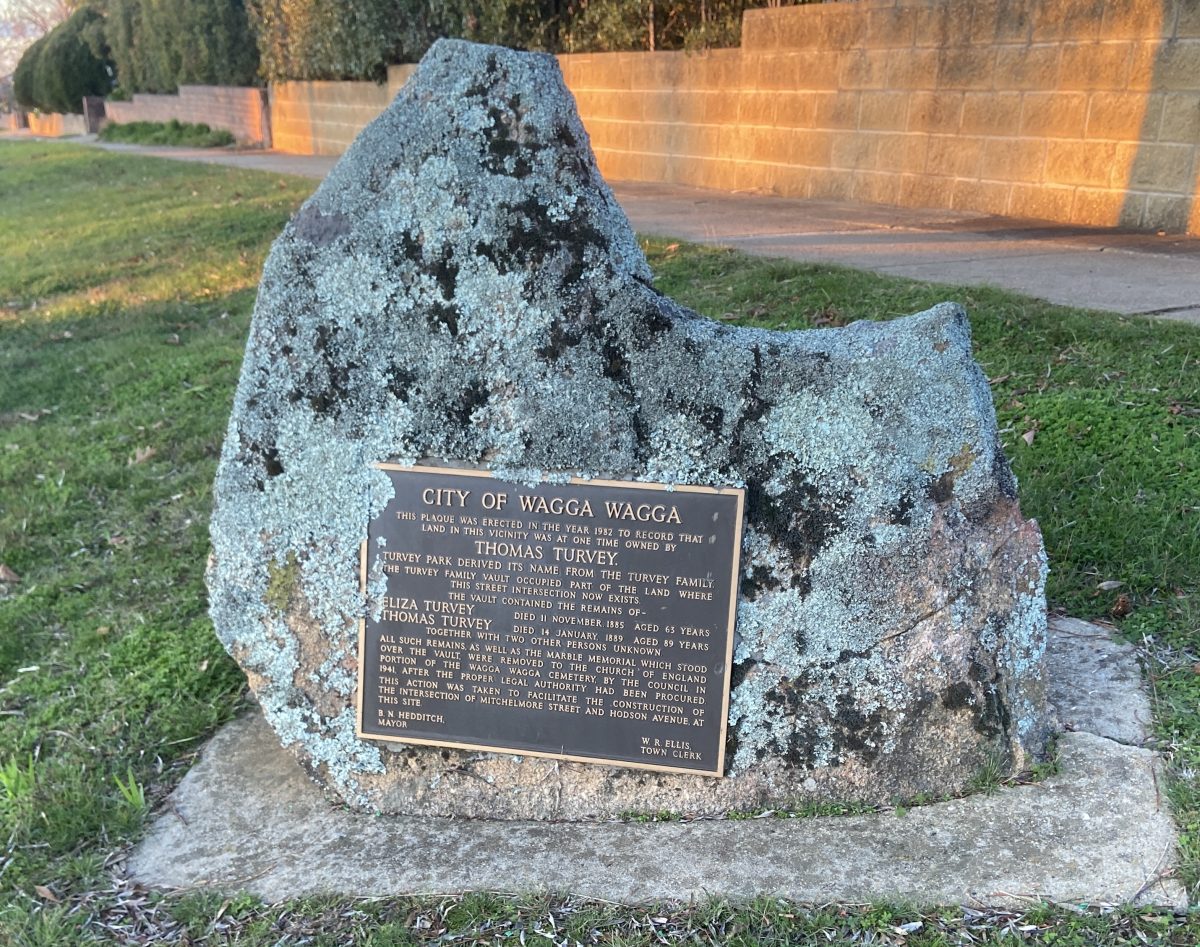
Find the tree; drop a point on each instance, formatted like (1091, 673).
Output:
(122, 31)
(612, 25)
(351, 39)
(23, 76)
(67, 69)
(522, 24)
(216, 46)
(158, 45)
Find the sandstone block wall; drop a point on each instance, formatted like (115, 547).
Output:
(322, 118)
(1077, 111)
(1080, 111)
(55, 124)
(241, 111)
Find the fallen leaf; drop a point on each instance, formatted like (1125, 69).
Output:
(7, 575)
(202, 666)
(1109, 585)
(28, 416)
(1029, 435)
(672, 247)
(46, 893)
(172, 339)
(116, 540)
(1196, 668)
(103, 630)
(141, 455)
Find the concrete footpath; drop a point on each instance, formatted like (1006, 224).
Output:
(1093, 268)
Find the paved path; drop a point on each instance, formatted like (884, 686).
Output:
(1074, 266)
(1089, 267)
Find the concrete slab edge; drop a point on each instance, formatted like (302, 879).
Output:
(1097, 832)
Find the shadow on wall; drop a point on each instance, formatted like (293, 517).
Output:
(1161, 184)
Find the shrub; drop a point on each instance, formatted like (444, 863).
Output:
(66, 69)
(173, 132)
(355, 39)
(158, 45)
(522, 24)
(609, 25)
(23, 77)
(324, 39)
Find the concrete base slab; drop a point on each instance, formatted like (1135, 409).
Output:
(247, 818)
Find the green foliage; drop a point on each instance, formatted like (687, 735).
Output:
(521, 24)
(18, 779)
(173, 132)
(354, 39)
(133, 792)
(325, 39)
(158, 45)
(68, 68)
(215, 43)
(611, 25)
(23, 76)
(990, 775)
(58, 70)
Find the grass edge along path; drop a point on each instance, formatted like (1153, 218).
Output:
(121, 332)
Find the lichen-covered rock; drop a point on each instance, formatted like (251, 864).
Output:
(463, 287)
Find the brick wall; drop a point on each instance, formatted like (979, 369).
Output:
(322, 118)
(1080, 111)
(241, 111)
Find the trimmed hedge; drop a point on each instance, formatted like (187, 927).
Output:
(173, 132)
(158, 45)
(345, 39)
(58, 70)
(24, 75)
(357, 39)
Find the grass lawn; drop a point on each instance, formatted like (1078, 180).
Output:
(126, 286)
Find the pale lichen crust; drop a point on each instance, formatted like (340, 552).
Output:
(464, 287)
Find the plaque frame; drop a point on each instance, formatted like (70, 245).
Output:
(431, 467)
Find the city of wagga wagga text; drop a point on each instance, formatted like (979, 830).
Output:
(557, 506)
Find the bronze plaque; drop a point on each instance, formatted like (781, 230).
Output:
(590, 620)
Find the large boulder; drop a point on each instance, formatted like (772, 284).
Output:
(464, 289)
